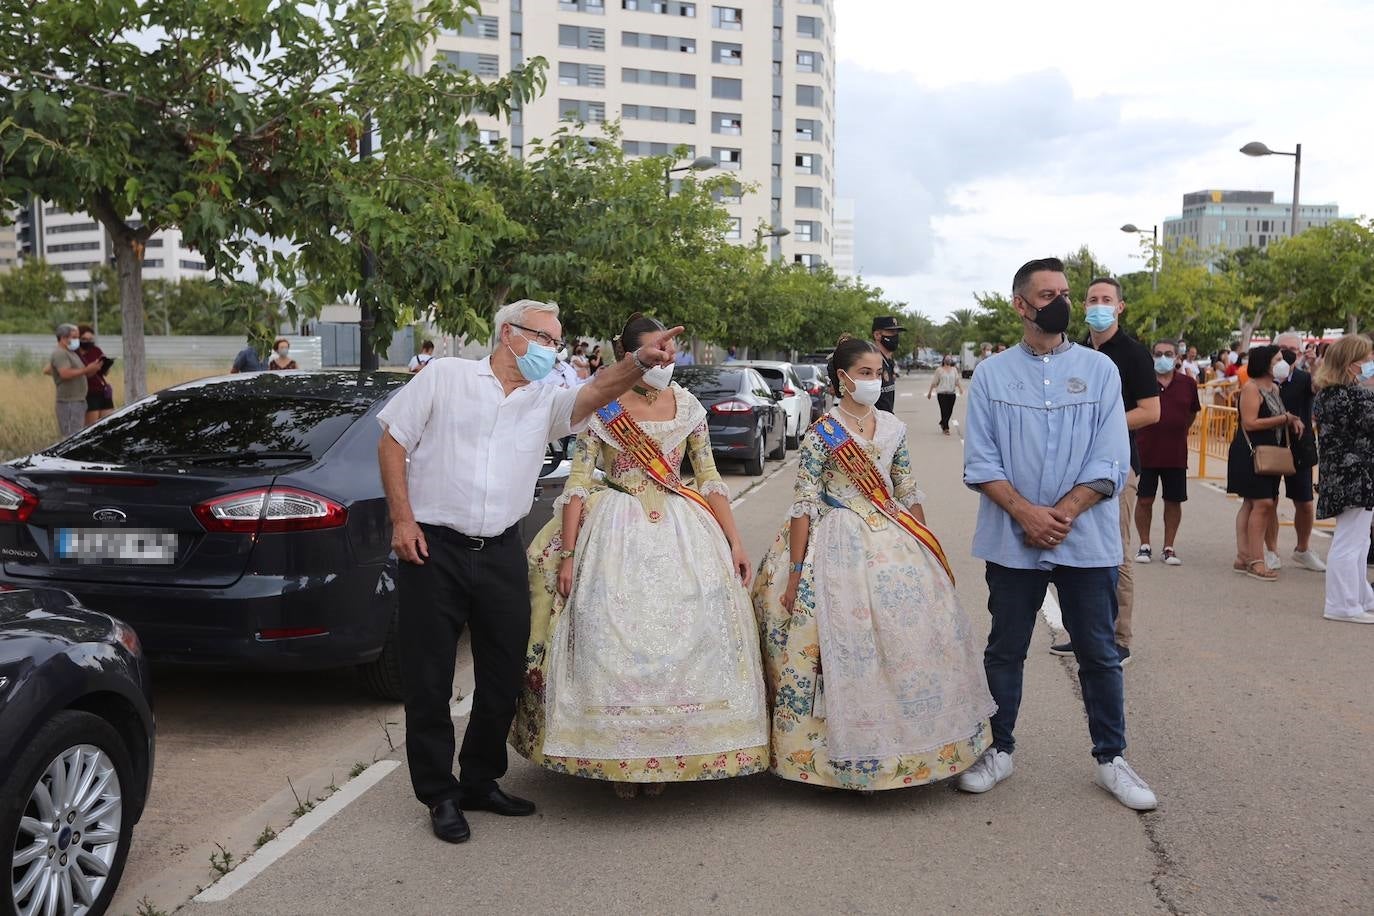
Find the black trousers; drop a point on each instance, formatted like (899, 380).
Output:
(946, 399)
(488, 591)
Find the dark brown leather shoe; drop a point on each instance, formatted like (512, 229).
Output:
(497, 802)
(448, 823)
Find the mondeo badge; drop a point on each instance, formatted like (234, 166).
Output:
(109, 515)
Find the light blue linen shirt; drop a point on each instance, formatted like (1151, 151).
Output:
(1046, 423)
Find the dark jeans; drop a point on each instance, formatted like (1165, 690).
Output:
(487, 590)
(1087, 598)
(946, 399)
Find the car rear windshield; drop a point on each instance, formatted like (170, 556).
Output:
(773, 377)
(704, 380)
(215, 425)
(809, 373)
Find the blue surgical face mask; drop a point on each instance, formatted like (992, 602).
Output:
(1164, 365)
(537, 362)
(1367, 370)
(1101, 317)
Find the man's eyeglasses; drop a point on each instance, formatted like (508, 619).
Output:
(544, 339)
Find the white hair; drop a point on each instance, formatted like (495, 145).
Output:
(515, 312)
(1296, 337)
(65, 330)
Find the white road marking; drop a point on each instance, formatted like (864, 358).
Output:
(907, 394)
(1051, 612)
(460, 708)
(739, 500)
(292, 836)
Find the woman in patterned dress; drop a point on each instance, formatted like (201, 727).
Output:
(873, 668)
(618, 688)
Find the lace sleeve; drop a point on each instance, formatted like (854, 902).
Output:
(904, 487)
(581, 478)
(708, 480)
(806, 493)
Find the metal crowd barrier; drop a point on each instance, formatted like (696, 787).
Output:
(1210, 436)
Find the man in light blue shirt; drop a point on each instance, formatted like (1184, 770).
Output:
(1046, 446)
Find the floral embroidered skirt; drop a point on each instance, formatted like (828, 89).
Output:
(650, 671)
(875, 677)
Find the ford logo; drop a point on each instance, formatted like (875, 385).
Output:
(109, 515)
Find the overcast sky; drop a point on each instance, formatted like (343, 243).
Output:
(974, 136)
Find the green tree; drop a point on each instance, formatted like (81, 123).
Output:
(996, 320)
(1328, 272)
(239, 121)
(1082, 267)
(33, 299)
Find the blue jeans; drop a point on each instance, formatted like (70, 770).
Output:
(1087, 598)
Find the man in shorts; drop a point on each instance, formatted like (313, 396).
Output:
(1163, 451)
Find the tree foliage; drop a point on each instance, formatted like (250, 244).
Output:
(33, 299)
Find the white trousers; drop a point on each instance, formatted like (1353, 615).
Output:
(1347, 588)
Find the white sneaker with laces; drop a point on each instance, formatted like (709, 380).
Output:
(1272, 560)
(1119, 779)
(1171, 557)
(990, 769)
(1365, 617)
(1143, 555)
(1309, 560)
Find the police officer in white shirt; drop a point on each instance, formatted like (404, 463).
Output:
(475, 433)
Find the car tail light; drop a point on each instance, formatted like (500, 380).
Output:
(269, 510)
(814, 389)
(731, 407)
(787, 391)
(16, 503)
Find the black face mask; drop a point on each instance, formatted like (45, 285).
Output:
(889, 342)
(1054, 317)
(1290, 357)
(87, 344)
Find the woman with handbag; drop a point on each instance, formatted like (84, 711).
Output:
(1259, 457)
(1345, 411)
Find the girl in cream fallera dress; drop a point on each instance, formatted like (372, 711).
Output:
(873, 669)
(648, 671)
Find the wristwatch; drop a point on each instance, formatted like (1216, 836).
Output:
(566, 554)
(798, 567)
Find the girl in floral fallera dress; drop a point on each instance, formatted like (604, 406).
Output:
(873, 668)
(643, 662)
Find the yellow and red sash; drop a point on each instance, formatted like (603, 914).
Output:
(640, 446)
(859, 468)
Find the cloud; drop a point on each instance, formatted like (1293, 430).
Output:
(936, 143)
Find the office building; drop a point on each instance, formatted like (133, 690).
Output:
(75, 242)
(751, 85)
(1240, 219)
(9, 247)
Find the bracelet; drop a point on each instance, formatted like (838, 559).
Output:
(566, 554)
(798, 567)
(639, 363)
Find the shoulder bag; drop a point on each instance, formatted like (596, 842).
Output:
(1272, 460)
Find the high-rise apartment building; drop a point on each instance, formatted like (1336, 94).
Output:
(9, 247)
(75, 242)
(844, 237)
(1240, 219)
(751, 85)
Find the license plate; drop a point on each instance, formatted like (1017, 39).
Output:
(133, 546)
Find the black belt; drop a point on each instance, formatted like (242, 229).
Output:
(467, 541)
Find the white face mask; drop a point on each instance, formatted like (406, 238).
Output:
(1281, 371)
(659, 376)
(864, 391)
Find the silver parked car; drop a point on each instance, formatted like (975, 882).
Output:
(791, 392)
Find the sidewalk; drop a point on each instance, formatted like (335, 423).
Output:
(1244, 708)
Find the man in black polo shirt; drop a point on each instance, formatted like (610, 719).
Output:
(885, 331)
(1140, 395)
(1298, 394)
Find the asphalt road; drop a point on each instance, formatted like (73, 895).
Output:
(1249, 715)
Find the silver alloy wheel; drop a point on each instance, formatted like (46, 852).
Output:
(68, 834)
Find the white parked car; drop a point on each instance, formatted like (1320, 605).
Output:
(791, 392)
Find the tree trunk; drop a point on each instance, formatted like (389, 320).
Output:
(1247, 327)
(128, 252)
(1352, 323)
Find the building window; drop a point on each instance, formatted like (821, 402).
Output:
(645, 148)
(588, 39)
(75, 246)
(725, 88)
(807, 163)
(728, 195)
(808, 129)
(723, 52)
(517, 41)
(659, 78)
(806, 230)
(808, 27)
(157, 262)
(733, 232)
(663, 7)
(489, 138)
(478, 27)
(731, 159)
(189, 265)
(581, 110)
(727, 17)
(658, 113)
(597, 7)
(591, 75)
(807, 61)
(808, 197)
(806, 260)
(726, 123)
(71, 227)
(777, 103)
(809, 96)
(479, 64)
(658, 42)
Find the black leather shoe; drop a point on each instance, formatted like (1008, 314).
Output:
(497, 802)
(448, 822)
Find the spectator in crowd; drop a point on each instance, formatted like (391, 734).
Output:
(99, 393)
(70, 376)
(421, 359)
(1234, 354)
(1190, 365)
(594, 360)
(281, 355)
(1345, 409)
(1164, 454)
(730, 356)
(246, 360)
(1298, 391)
(579, 361)
(1140, 395)
(946, 387)
(685, 358)
(1263, 420)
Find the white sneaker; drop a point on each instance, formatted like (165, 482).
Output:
(1119, 779)
(1143, 554)
(990, 769)
(1309, 560)
(1271, 560)
(1366, 617)
(1171, 557)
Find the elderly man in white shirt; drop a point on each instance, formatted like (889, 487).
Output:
(474, 432)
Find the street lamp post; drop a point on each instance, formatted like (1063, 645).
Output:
(1154, 251)
(1256, 148)
(699, 164)
(762, 232)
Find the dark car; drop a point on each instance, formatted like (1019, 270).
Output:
(744, 418)
(817, 385)
(76, 751)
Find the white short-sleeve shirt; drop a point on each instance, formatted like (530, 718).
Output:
(475, 452)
